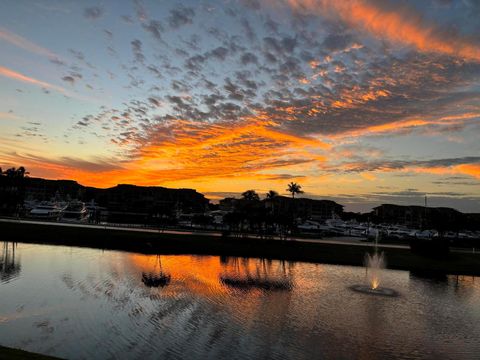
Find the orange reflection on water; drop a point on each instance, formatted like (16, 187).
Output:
(205, 274)
(254, 288)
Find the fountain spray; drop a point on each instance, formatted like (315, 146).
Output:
(374, 263)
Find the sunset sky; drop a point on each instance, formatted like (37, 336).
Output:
(363, 102)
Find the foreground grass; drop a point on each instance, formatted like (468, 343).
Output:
(16, 354)
(155, 243)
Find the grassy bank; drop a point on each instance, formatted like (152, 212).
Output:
(153, 243)
(16, 354)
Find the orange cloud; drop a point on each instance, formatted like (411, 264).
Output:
(397, 126)
(469, 169)
(463, 169)
(353, 98)
(225, 150)
(23, 78)
(401, 25)
(368, 176)
(189, 151)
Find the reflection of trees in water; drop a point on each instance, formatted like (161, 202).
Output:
(430, 276)
(262, 294)
(441, 283)
(9, 265)
(157, 277)
(263, 274)
(195, 311)
(465, 285)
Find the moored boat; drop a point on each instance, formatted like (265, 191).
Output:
(47, 211)
(76, 211)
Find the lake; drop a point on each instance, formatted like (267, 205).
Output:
(81, 303)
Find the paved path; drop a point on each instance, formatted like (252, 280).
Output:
(340, 240)
(345, 240)
(351, 241)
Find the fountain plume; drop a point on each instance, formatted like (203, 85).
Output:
(375, 263)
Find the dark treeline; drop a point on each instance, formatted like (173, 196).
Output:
(275, 214)
(251, 213)
(12, 190)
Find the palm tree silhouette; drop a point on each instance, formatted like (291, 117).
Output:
(270, 204)
(272, 195)
(294, 188)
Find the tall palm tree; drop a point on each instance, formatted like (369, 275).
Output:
(272, 195)
(294, 188)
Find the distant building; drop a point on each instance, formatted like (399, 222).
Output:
(45, 190)
(304, 208)
(141, 202)
(417, 216)
(472, 221)
(122, 203)
(228, 204)
(413, 216)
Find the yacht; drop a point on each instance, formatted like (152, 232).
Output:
(400, 232)
(358, 230)
(426, 234)
(335, 226)
(76, 211)
(47, 210)
(309, 225)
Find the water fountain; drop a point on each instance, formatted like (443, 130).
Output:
(374, 264)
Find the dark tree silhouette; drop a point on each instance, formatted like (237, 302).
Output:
(294, 188)
(271, 195)
(12, 190)
(14, 173)
(250, 195)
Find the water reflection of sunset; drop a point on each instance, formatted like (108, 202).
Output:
(201, 276)
(203, 273)
(90, 303)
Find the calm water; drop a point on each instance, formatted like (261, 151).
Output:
(92, 304)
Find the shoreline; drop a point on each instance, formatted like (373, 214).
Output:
(18, 354)
(180, 243)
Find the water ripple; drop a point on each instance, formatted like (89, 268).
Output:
(87, 304)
